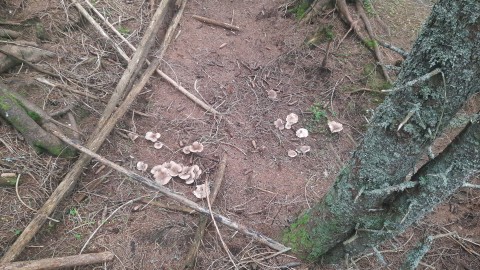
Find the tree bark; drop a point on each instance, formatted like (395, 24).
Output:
(370, 194)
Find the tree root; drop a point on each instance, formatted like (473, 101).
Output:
(370, 43)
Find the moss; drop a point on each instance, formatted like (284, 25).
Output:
(297, 236)
(59, 151)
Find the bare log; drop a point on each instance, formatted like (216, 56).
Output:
(104, 127)
(60, 262)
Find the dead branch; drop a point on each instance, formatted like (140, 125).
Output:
(343, 9)
(216, 23)
(174, 196)
(189, 261)
(7, 33)
(173, 207)
(398, 50)
(104, 127)
(168, 37)
(60, 262)
(65, 87)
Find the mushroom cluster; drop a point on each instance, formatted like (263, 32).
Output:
(165, 172)
(195, 147)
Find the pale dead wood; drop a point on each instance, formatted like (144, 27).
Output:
(189, 261)
(66, 87)
(33, 66)
(172, 207)
(216, 23)
(174, 196)
(105, 125)
(60, 262)
(167, 38)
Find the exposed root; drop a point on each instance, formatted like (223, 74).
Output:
(343, 9)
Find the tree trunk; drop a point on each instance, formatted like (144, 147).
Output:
(371, 199)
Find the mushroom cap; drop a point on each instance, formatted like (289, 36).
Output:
(194, 172)
(196, 147)
(158, 145)
(335, 126)
(186, 149)
(201, 191)
(142, 166)
(292, 153)
(151, 136)
(279, 124)
(292, 118)
(156, 168)
(162, 176)
(303, 149)
(173, 168)
(302, 133)
(272, 94)
(288, 125)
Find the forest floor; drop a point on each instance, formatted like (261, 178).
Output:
(233, 71)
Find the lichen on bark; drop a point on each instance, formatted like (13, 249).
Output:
(449, 41)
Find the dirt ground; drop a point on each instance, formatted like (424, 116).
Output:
(233, 71)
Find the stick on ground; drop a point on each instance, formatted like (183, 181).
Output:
(213, 22)
(202, 223)
(174, 196)
(96, 140)
(167, 38)
(60, 262)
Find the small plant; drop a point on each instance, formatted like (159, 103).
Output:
(73, 212)
(318, 113)
(368, 6)
(77, 236)
(319, 116)
(17, 232)
(123, 30)
(300, 9)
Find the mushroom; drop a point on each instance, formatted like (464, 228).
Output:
(302, 133)
(153, 137)
(291, 119)
(190, 174)
(334, 126)
(292, 153)
(142, 166)
(303, 149)
(272, 94)
(173, 168)
(196, 147)
(201, 191)
(158, 145)
(186, 149)
(162, 175)
(279, 124)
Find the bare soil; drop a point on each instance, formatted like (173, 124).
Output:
(233, 71)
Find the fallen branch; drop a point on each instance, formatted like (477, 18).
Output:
(104, 127)
(398, 50)
(60, 262)
(168, 37)
(189, 261)
(7, 33)
(413, 82)
(174, 196)
(213, 22)
(172, 207)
